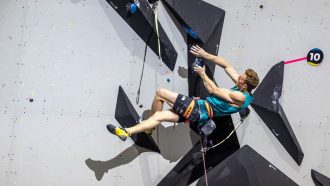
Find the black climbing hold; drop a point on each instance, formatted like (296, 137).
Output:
(261, 6)
(31, 100)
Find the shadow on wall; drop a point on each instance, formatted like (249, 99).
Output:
(128, 155)
(125, 157)
(183, 72)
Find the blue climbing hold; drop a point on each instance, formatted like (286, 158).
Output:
(133, 8)
(190, 32)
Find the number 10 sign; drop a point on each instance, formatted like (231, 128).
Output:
(315, 57)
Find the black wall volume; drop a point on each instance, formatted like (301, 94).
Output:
(190, 167)
(202, 24)
(246, 167)
(319, 179)
(153, 1)
(267, 106)
(197, 17)
(127, 117)
(142, 22)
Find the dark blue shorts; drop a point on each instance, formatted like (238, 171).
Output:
(186, 108)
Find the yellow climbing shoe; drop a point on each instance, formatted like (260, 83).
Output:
(118, 131)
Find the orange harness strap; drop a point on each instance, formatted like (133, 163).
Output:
(188, 111)
(209, 109)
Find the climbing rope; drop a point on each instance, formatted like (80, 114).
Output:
(144, 61)
(203, 155)
(231, 133)
(154, 9)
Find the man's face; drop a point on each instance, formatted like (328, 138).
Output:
(241, 81)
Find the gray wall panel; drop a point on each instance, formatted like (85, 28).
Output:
(70, 57)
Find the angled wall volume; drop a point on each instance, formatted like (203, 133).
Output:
(127, 117)
(246, 167)
(190, 167)
(319, 179)
(266, 104)
(197, 17)
(142, 22)
(202, 24)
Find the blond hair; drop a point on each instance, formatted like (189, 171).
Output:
(252, 79)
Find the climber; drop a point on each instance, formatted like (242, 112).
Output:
(221, 101)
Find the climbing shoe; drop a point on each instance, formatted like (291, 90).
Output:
(118, 131)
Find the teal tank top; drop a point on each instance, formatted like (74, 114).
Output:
(221, 107)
